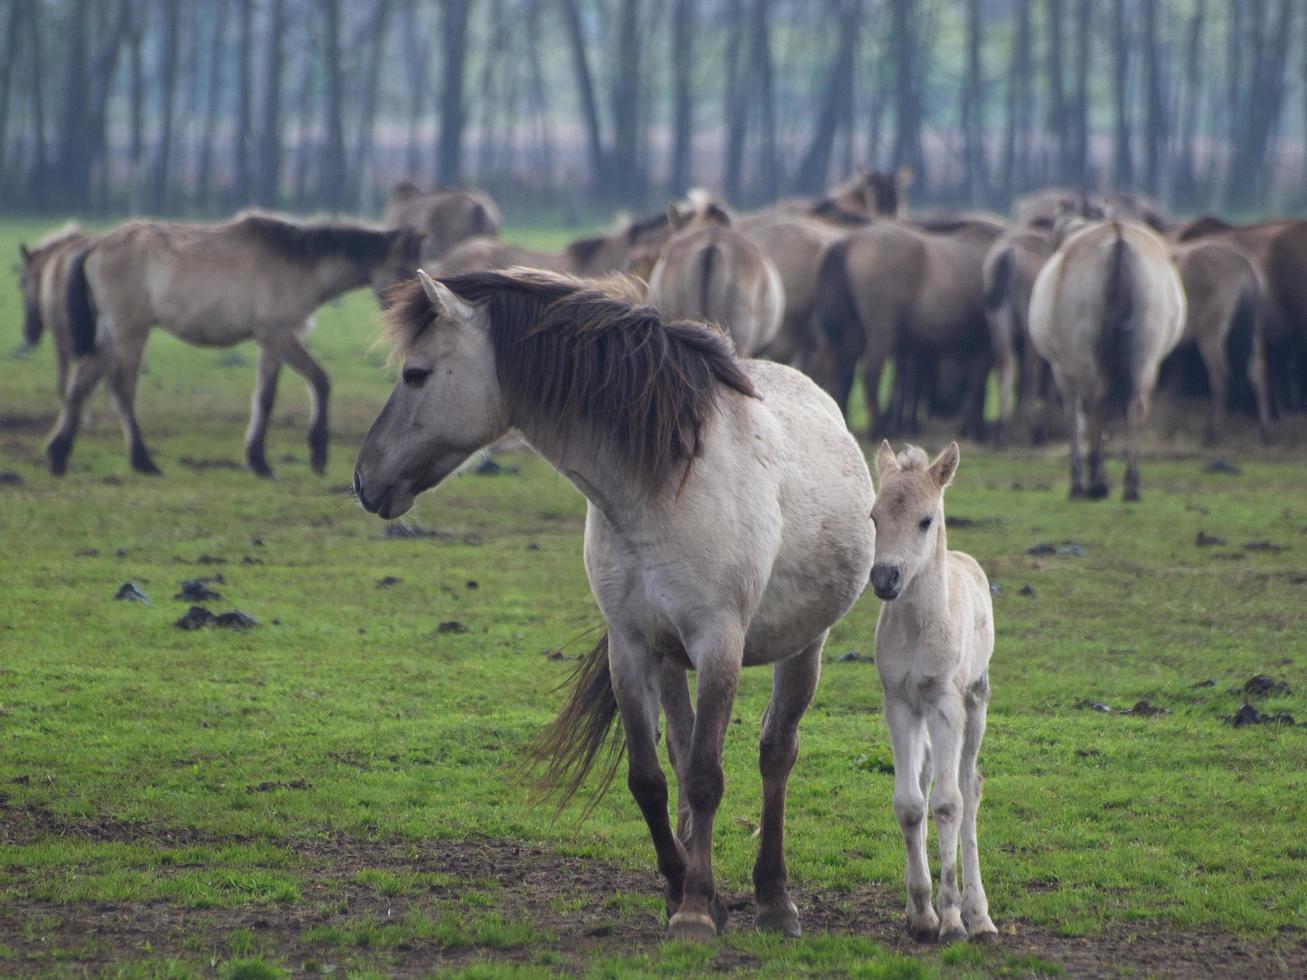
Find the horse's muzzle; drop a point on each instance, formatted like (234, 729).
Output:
(378, 504)
(886, 581)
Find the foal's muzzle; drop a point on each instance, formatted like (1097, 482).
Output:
(886, 581)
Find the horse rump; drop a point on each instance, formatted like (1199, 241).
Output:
(586, 728)
(80, 307)
(1116, 341)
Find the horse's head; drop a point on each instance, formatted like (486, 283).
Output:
(908, 514)
(445, 406)
(403, 248)
(29, 278)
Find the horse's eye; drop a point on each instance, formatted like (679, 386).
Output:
(924, 523)
(416, 377)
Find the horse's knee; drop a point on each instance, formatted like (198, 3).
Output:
(704, 788)
(910, 811)
(946, 807)
(649, 789)
(776, 755)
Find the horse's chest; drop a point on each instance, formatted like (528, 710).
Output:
(917, 663)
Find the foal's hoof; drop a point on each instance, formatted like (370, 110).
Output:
(691, 927)
(954, 935)
(780, 918)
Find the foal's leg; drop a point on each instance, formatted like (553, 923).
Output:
(678, 710)
(908, 739)
(945, 720)
(635, 686)
(717, 655)
(794, 681)
(975, 906)
(287, 347)
(86, 373)
(123, 372)
(265, 393)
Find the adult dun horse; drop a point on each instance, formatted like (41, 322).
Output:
(255, 277)
(726, 526)
(43, 281)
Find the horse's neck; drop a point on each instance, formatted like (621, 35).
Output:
(925, 599)
(581, 454)
(334, 275)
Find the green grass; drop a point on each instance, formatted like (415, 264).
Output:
(347, 714)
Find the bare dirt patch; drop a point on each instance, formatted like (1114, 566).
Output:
(571, 898)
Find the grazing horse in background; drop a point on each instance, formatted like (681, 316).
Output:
(594, 255)
(934, 640)
(43, 280)
(896, 290)
(443, 217)
(707, 271)
(1009, 273)
(1223, 294)
(256, 277)
(726, 526)
(1106, 310)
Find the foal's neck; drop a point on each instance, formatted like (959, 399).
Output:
(926, 596)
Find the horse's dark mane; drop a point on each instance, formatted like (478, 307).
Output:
(637, 230)
(570, 350)
(309, 242)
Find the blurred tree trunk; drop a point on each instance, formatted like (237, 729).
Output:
(417, 53)
(973, 111)
(136, 96)
(682, 60)
(544, 163)
(307, 149)
(72, 168)
(1016, 138)
(167, 98)
(1155, 121)
(490, 87)
(876, 116)
(586, 92)
(102, 76)
(736, 103)
(1123, 173)
(627, 181)
(364, 164)
(1185, 189)
(331, 188)
(204, 167)
(13, 26)
(1057, 112)
(1080, 165)
(1265, 96)
(40, 160)
(1234, 36)
(814, 170)
(768, 167)
(907, 105)
(270, 137)
(449, 152)
(244, 135)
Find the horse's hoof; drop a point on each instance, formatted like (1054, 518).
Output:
(1131, 496)
(955, 935)
(720, 914)
(146, 467)
(691, 927)
(985, 935)
(925, 929)
(1097, 491)
(1076, 493)
(780, 918)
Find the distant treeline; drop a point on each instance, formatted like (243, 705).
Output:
(206, 105)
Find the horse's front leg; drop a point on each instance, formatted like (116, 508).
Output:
(794, 681)
(717, 654)
(636, 680)
(678, 710)
(907, 736)
(287, 347)
(944, 721)
(265, 393)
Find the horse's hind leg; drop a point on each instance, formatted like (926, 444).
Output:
(1136, 415)
(123, 372)
(288, 349)
(1075, 408)
(636, 687)
(717, 654)
(678, 710)
(265, 393)
(794, 681)
(1095, 423)
(975, 906)
(1218, 381)
(86, 373)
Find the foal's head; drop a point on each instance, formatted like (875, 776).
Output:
(908, 514)
(445, 406)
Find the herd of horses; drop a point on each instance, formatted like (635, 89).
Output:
(1073, 303)
(731, 516)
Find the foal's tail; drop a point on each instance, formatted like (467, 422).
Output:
(586, 728)
(80, 306)
(1116, 342)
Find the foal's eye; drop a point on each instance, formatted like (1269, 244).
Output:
(415, 377)
(924, 523)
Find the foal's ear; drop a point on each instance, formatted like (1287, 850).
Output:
(945, 466)
(442, 300)
(886, 463)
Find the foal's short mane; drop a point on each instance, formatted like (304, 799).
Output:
(309, 242)
(913, 458)
(583, 351)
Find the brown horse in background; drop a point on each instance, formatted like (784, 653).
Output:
(257, 277)
(443, 217)
(43, 280)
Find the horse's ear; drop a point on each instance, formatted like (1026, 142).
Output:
(439, 295)
(886, 463)
(717, 214)
(945, 466)
(677, 218)
(24, 252)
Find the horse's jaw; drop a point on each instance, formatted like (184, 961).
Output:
(395, 498)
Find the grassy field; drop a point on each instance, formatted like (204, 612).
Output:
(335, 789)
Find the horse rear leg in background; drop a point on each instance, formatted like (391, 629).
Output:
(85, 375)
(265, 394)
(124, 369)
(286, 347)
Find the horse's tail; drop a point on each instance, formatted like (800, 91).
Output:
(1000, 280)
(1116, 342)
(80, 306)
(835, 309)
(710, 259)
(586, 728)
(1239, 340)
